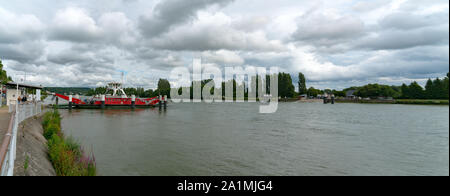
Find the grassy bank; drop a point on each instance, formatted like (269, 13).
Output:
(397, 101)
(421, 102)
(66, 155)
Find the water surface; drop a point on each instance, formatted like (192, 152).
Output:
(234, 139)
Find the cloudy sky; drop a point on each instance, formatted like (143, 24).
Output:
(336, 44)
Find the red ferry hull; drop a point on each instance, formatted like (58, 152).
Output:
(111, 102)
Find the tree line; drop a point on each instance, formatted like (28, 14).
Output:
(434, 89)
(286, 87)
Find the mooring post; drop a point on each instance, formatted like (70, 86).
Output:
(70, 102)
(133, 101)
(165, 102)
(103, 101)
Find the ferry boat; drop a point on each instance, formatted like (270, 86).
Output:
(118, 99)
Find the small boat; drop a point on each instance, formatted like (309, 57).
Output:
(118, 99)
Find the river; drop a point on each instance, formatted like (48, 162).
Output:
(234, 139)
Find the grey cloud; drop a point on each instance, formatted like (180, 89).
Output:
(321, 30)
(251, 24)
(388, 40)
(407, 20)
(24, 52)
(18, 28)
(205, 38)
(169, 13)
(67, 57)
(411, 62)
(87, 44)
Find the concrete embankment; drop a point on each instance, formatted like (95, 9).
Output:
(4, 122)
(32, 154)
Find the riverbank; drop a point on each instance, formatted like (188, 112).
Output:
(66, 154)
(32, 153)
(42, 150)
(397, 101)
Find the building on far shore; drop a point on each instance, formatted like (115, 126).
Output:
(24, 90)
(350, 94)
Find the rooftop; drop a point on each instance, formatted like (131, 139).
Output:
(13, 84)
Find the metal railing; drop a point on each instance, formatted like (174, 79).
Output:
(19, 113)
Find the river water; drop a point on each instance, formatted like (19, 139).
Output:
(234, 139)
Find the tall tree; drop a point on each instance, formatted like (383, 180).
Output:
(302, 84)
(405, 91)
(438, 89)
(446, 85)
(429, 89)
(3, 76)
(416, 91)
(285, 86)
(164, 87)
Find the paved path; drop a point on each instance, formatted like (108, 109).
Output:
(4, 122)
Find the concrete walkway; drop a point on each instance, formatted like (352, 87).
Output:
(4, 122)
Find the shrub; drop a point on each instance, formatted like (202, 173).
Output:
(65, 154)
(50, 130)
(74, 146)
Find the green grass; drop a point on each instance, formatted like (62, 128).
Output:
(66, 154)
(26, 164)
(422, 101)
(398, 101)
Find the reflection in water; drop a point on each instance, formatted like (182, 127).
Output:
(234, 139)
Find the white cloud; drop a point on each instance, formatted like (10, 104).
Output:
(215, 32)
(223, 57)
(86, 43)
(19, 27)
(74, 24)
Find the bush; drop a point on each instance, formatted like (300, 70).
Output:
(65, 154)
(52, 129)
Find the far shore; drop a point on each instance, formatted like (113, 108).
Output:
(375, 101)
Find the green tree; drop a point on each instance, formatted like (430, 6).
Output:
(429, 89)
(149, 93)
(314, 92)
(285, 86)
(302, 84)
(3, 76)
(164, 87)
(339, 93)
(439, 89)
(405, 91)
(446, 85)
(415, 91)
(375, 90)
